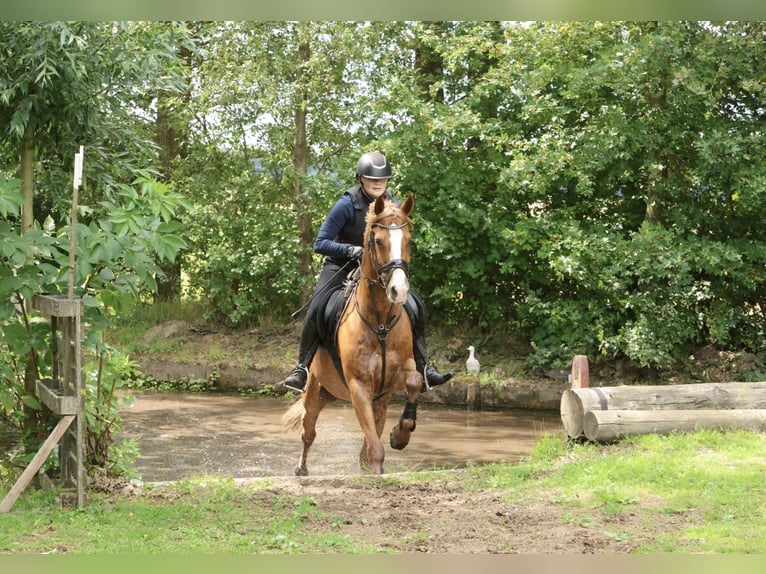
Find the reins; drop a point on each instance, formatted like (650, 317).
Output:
(322, 290)
(383, 327)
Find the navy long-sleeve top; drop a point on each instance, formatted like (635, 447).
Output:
(344, 225)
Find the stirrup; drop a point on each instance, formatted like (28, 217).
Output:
(427, 386)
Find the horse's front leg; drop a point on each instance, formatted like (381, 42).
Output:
(400, 434)
(372, 454)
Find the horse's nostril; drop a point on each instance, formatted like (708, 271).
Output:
(394, 292)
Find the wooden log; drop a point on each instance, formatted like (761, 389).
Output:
(576, 402)
(609, 426)
(52, 396)
(57, 306)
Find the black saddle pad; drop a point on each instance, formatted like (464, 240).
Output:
(329, 312)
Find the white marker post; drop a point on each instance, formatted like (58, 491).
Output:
(76, 183)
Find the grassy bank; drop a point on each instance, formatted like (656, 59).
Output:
(684, 493)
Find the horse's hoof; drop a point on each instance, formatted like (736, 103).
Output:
(395, 442)
(301, 471)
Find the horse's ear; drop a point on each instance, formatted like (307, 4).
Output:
(408, 203)
(380, 203)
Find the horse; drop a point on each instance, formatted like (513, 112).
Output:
(373, 344)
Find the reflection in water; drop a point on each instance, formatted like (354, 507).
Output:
(185, 435)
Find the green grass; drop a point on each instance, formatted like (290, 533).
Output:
(702, 492)
(717, 480)
(193, 516)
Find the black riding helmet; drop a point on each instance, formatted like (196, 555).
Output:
(374, 165)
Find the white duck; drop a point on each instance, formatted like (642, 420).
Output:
(472, 363)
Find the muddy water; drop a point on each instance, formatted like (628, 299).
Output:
(186, 435)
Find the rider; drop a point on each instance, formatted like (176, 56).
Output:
(340, 240)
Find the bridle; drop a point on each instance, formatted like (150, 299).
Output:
(384, 326)
(381, 270)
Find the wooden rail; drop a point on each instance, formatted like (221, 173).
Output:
(607, 413)
(42, 454)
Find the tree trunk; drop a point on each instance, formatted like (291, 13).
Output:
(26, 174)
(429, 67)
(576, 403)
(172, 134)
(608, 426)
(32, 421)
(300, 165)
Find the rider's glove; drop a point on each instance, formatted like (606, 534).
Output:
(354, 252)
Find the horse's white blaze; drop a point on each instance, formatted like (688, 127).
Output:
(398, 286)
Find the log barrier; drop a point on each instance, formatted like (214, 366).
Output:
(577, 402)
(609, 426)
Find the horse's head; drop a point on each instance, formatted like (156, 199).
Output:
(387, 254)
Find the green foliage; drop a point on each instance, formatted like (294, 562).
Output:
(251, 199)
(607, 223)
(10, 198)
(650, 297)
(595, 187)
(105, 378)
(115, 265)
(67, 84)
(248, 241)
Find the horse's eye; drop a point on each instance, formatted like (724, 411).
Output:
(378, 242)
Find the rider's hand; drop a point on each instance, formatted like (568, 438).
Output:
(354, 252)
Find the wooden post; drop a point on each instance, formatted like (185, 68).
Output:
(64, 394)
(76, 182)
(575, 403)
(608, 426)
(470, 395)
(42, 454)
(580, 372)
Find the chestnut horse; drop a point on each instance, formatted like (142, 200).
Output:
(374, 344)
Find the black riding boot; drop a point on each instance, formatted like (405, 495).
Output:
(431, 377)
(296, 380)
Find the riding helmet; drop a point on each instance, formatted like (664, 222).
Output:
(373, 165)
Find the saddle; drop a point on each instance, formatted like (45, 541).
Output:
(329, 312)
(333, 305)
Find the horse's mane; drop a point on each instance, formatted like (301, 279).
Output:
(390, 209)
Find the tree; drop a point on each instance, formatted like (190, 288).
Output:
(630, 178)
(65, 85)
(447, 158)
(281, 112)
(172, 136)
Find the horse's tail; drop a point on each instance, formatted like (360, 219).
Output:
(292, 418)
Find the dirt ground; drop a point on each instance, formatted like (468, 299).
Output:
(436, 516)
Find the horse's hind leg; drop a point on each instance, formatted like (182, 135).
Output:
(400, 434)
(314, 400)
